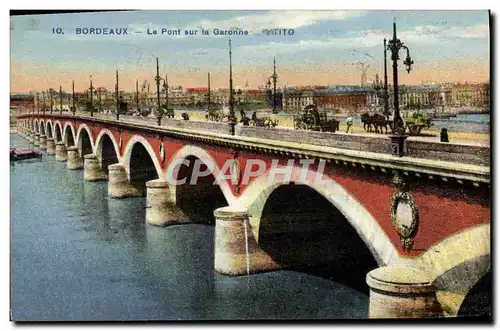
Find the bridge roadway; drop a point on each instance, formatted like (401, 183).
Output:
(429, 234)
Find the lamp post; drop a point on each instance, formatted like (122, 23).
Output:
(137, 97)
(274, 78)
(232, 117)
(51, 101)
(159, 111)
(60, 99)
(73, 97)
(398, 139)
(209, 98)
(91, 91)
(386, 87)
(44, 105)
(117, 96)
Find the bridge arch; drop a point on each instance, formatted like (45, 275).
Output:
(457, 264)
(69, 135)
(140, 162)
(201, 154)
(49, 129)
(127, 153)
(58, 131)
(106, 149)
(42, 127)
(256, 195)
(84, 140)
(198, 201)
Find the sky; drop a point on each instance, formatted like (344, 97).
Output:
(326, 47)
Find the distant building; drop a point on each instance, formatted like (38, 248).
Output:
(22, 101)
(297, 99)
(472, 95)
(345, 98)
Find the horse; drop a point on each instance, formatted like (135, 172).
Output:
(366, 119)
(379, 121)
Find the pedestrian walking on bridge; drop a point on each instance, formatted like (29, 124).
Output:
(349, 121)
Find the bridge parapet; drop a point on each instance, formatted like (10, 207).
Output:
(431, 159)
(376, 144)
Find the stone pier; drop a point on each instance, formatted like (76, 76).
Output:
(61, 152)
(74, 161)
(118, 183)
(161, 208)
(236, 250)
(43, 142)
(92, 169)
(36, 141)
(401, 291)
(51, 146)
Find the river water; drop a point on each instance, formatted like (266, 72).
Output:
(78, 255)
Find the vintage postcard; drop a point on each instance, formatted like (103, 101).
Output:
(250, 165)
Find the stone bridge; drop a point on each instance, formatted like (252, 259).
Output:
(422, 221)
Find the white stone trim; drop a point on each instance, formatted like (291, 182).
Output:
(84, 126)
(98, 144)
(383, 250)
(200, 153)
(128, 152)
(461, 247)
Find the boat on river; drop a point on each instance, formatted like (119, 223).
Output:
(24, 154)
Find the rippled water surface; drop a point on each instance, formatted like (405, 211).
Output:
(78, 255)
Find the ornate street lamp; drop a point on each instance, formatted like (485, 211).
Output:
(386, 85)
(91, 91)
(60, 100)
(274, 78)
(231, 117)
(117, 97)
(73, 98)
(44, 105)
(394, 45)
(159, 111)
(51, 91)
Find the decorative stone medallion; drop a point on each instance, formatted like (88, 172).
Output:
(404, 217)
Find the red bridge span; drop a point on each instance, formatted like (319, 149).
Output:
(421, 222)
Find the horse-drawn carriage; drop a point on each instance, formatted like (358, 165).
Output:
(417, 121)
(267, 121)
(215, 114)
(168, 112)
(413, 123)
(312, 119)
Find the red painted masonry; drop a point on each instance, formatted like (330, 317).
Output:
(444, 210)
